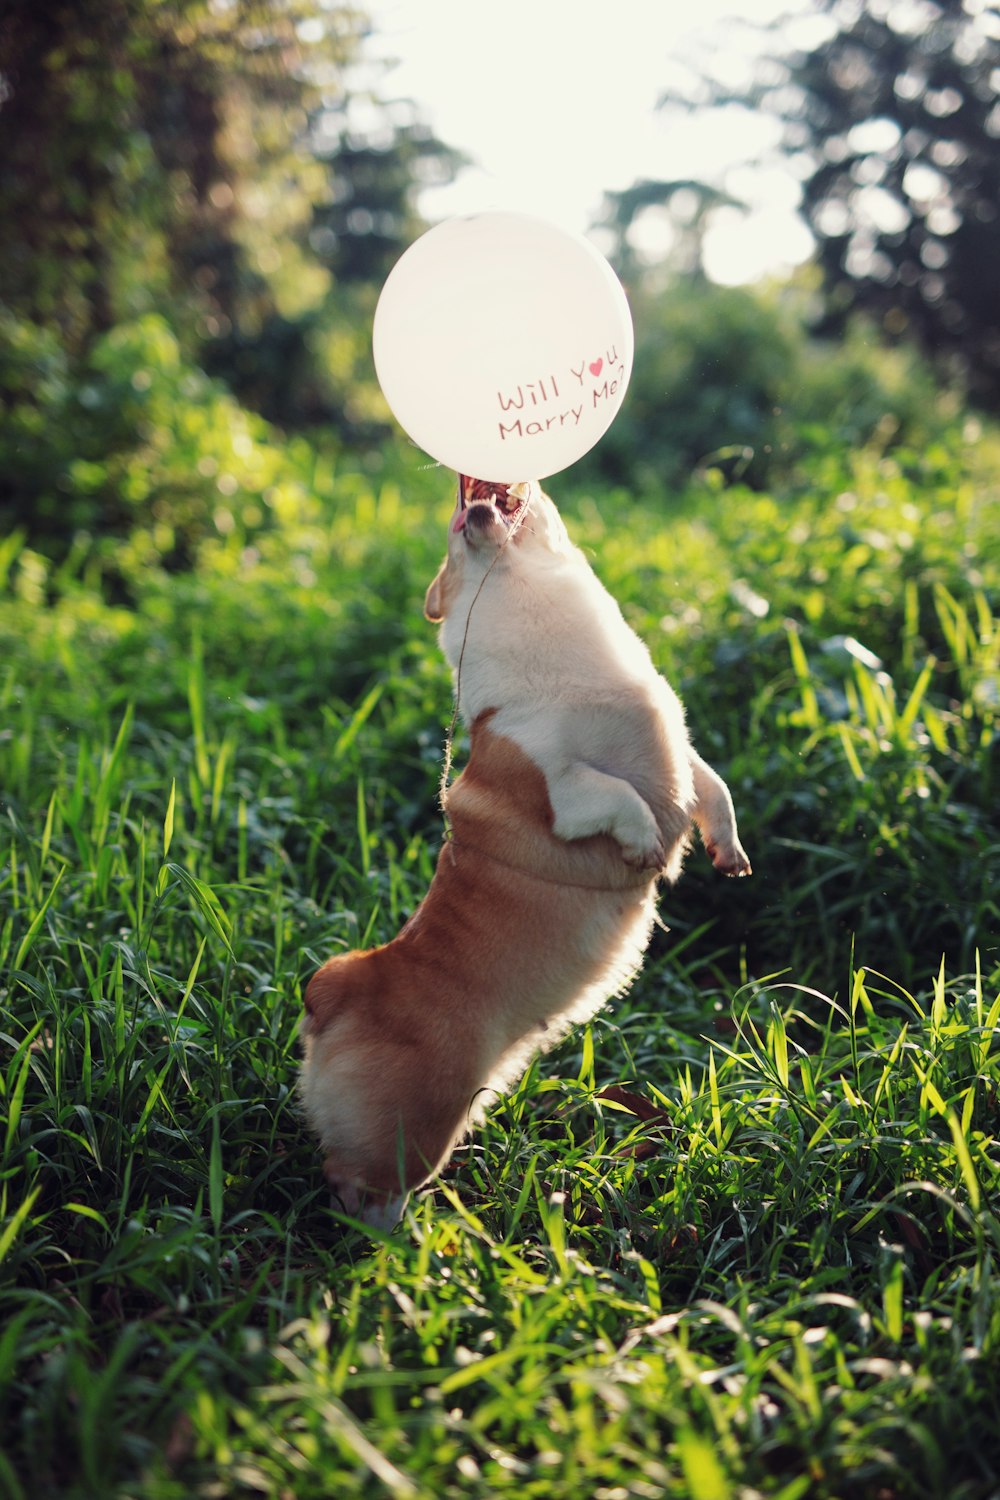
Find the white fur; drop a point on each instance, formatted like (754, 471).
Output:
(530, 630)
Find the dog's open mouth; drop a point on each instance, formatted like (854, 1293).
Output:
(507, 500)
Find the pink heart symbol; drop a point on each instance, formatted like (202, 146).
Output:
(596, 367)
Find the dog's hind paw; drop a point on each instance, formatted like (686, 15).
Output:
(729, 859)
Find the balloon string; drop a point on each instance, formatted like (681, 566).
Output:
(450, 736)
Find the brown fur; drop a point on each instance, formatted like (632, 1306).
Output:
(411, 1032)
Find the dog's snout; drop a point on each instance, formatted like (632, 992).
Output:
(481, 513)
(383, 1210)
(484, 525)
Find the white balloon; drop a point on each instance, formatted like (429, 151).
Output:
(503, 345)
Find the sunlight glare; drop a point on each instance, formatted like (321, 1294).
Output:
(558, 104)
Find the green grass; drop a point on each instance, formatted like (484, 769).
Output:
(739, 1236)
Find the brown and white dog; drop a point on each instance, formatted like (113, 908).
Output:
(579, 794)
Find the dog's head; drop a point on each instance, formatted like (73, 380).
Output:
(493, 525)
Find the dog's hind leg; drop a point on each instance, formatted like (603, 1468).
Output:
(716, 819)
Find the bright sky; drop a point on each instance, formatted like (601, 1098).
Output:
(556, 102)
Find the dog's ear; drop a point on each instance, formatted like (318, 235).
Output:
(434, 601)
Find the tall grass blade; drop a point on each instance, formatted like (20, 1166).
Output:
(196, 706)
(207, 902)
(15, 1099)
(779, 1044)
(111, 775)
(168, 819)
(713, 1092)
(215, 1175)
(704, 1476)
(908, 717)
(357, 721)
(810, 702)
(28, 941)
(13, 1227)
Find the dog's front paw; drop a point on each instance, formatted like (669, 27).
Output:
(649, 857)
(636, 832)
(729, 858)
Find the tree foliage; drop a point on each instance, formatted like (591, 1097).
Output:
(894, 118)
(225, 165)
(689, 205)
(138, 144)
(713, 371)
(369, 216)
(188, 189)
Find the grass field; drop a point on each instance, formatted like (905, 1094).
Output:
(740, 1236)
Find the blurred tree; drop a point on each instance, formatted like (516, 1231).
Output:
(688, 205)
(894, 120)
(140, 146)
(714, 369)
(314, 365)
(186, 186)
(376, 168)
(221, 162)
